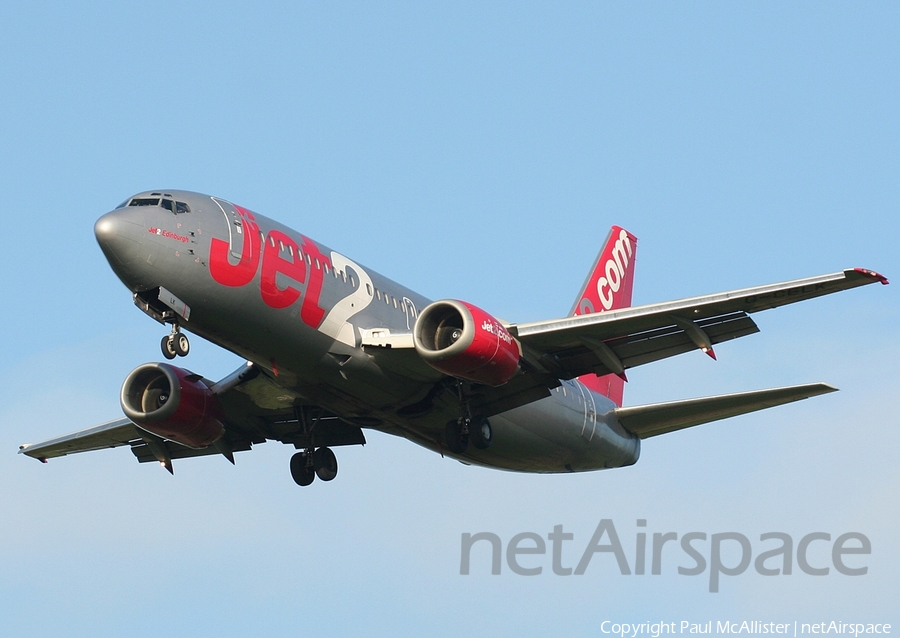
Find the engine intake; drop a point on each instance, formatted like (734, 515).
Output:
(464, 341)
(172, 403)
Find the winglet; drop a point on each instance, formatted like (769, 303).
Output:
(874, 275)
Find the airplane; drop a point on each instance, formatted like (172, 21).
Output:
(334, 348)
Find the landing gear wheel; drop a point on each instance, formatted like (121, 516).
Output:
(481, 434)
(167, 345)
(181, 344)
(325, 463)
(456, 436)
(301, 471)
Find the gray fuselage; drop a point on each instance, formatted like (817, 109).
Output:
(309, 316)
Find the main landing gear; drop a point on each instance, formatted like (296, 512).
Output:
(308, 464)
(459, 433)
(175, 344)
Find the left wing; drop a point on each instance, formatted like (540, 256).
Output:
(108, 435)
(256, 409)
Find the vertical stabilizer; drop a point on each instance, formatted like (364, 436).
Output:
(609, 287)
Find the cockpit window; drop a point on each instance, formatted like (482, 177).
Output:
(171, 205)
(144, 201)
(176, 207)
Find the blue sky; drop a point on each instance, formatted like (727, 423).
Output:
(475, 151)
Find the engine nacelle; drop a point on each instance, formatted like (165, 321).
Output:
(172, 403)
(464, 341)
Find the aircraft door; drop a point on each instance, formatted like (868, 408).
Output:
(409, 309)
(590, 413)
(236, 231)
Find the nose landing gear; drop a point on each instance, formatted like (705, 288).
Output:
(175, 344)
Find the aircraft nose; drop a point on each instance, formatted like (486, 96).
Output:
(105, 229)
(118, 234)
(115, 225)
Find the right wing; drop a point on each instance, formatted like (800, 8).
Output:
(615, 340)
(612, 341)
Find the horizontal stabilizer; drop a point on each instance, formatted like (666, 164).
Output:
(660, 418)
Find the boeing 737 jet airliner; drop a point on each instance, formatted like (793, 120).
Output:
(334, 348)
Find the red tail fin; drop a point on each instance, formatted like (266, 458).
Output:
(608, 287)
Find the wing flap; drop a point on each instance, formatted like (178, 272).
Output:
(176, 451)
(661, 418)
(645, 347)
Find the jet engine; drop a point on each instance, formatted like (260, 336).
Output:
(464, 341)
(172, 403)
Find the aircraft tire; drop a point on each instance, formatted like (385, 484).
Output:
(181, 344)
(457, 442)
(167, 345)
(480, 433)
(325, 463)
(301, 472)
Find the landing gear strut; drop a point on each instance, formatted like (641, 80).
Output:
(308, 464)
(175, 344)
